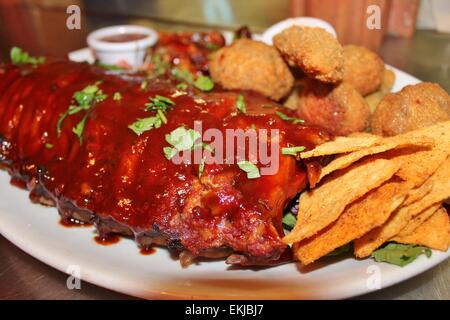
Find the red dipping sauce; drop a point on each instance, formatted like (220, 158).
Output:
(124, 37)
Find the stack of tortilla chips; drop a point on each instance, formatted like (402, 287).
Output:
(374, 191)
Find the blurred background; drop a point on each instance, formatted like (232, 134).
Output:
(414, 34)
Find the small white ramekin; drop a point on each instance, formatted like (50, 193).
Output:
(119, 53)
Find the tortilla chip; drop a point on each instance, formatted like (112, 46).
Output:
(323, 205)
(418, 193)
(342, 145)
(387, 144)
(360, 217)
(433, 233)
(419, 219)
(421, 165)
(365, 245)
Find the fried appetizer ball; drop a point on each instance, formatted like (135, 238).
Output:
(388, 81)
(375, 98)
(363, 69)
(341, 110)
(313, 50)
(415, 106)
(252, 65)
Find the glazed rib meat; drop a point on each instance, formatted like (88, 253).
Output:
(123, 183)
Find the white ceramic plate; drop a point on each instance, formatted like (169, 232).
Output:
(122, 268)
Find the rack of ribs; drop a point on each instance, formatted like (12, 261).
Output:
(122, 182)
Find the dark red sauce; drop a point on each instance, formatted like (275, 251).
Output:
(147, 251)
(124, 37)
(107, 240)
(119, 175)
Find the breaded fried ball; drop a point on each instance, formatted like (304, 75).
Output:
(388, 81)
(313, 50)
(252, 65)
(414, 107)
(363, 69)
(341, 110)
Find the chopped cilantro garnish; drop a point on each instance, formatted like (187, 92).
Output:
(289, 221)
(287, 118)
(181, 86)
(144, 85)
(18, 56)
(201, 167)
(292, 151)
(400, 254)
(250, 168)
(204, 83)
(183, 75)
(84, 100)
(159, 103)
(159, 65)
(117, 96)
(79, 128)
(145, 124)
(240, 104)
(181, 139)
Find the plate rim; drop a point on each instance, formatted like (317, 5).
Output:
(96, 277)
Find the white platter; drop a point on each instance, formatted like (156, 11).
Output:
(122, 268)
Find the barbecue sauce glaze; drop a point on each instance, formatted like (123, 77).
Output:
(117, 176)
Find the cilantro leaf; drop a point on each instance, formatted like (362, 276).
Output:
(169, 152)
(204, 83)
(79, 128)
(240, 104)
(159, 65)
(251, 169)
(289, 221)
(142, 125)
(183, 75)
(159, 103)
(400, 254)
(18, 57)
(287, 118)
(117, 96)
(201, 167)
(85, 100)
(292, 151)
(182, 139)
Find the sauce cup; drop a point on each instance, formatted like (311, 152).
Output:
(123, 45)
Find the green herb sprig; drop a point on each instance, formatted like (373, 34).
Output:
(287, 118)
(250, 168)
(19, 57)
(84, 100)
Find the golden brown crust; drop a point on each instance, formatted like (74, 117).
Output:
(341, 110)
(415, 106)
(363, 69)
(314, 50)
(252, 65)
